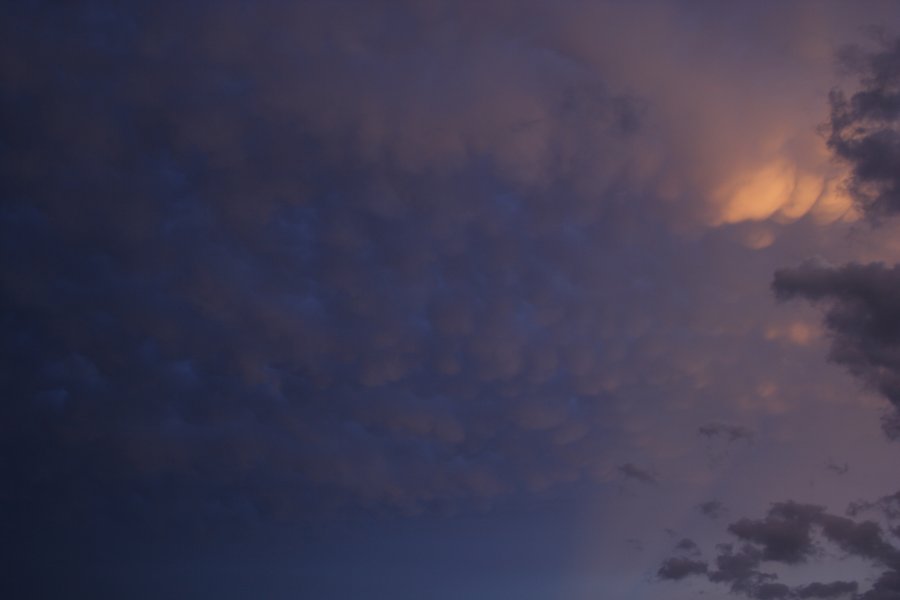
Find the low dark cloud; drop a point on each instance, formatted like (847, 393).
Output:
(784, 535)
(863, 128)
(886, 587)
(739, 568)
(789, 535)
(862, 315)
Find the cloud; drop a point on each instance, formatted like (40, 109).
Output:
(273, 261)
(739, 569)
(886, 587)
(305, 219)
(834, 589)
(718, 439)
(861, 316)
(688, 546)
(712, 509)
(631, 471)
(863, 128)
(332, 260)
(787, 535)
(677, 568)
(784, 535)
(888, 505)
(837, 468)
(731, 433)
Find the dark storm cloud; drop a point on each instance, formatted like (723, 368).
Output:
(258, 261)
(861, 314)
(718, 439)
(262, 262)
(788, 535)
(863, 131)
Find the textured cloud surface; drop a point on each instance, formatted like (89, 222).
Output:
(297, 289)
(864, 129)
(265, 253)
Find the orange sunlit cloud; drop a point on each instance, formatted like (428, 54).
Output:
(784, 192)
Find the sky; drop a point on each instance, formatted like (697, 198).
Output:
(425, 299)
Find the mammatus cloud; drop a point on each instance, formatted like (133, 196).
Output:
(271, 246)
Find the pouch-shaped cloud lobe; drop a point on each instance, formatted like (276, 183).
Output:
(254, 243)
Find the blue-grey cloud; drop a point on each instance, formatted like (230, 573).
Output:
(252, 249)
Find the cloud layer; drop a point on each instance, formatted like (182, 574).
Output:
(285, 265)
